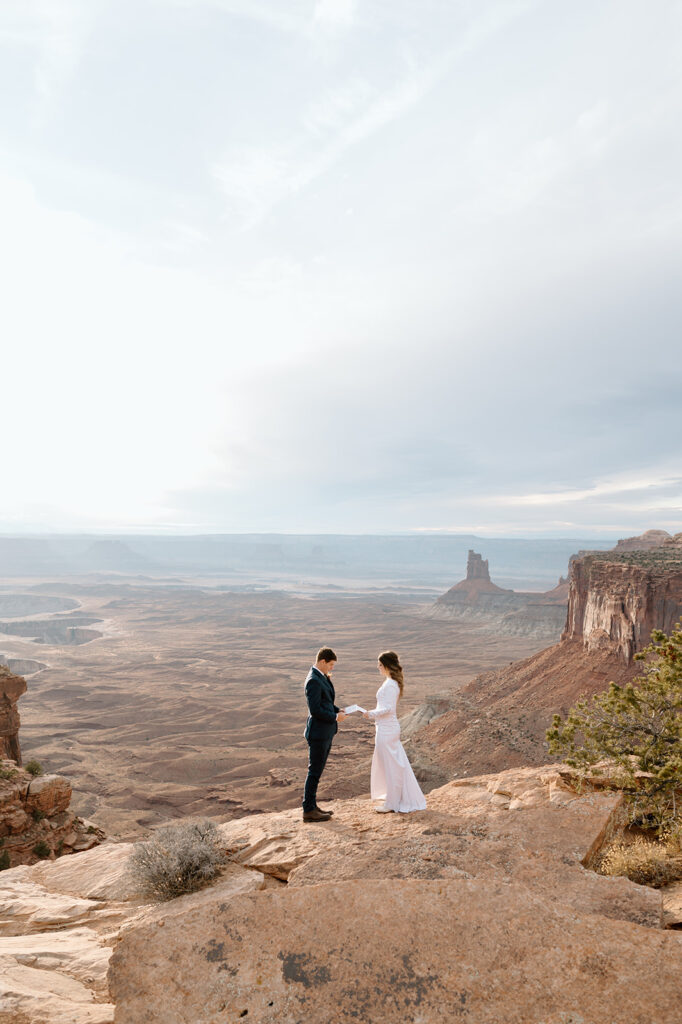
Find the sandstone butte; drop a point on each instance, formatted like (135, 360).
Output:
(507, 612)
(483, 908)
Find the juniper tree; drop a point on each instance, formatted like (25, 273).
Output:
(638, 728)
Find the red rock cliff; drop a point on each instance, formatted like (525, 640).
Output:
(616, 599)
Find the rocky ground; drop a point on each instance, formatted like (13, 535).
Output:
(483, 908)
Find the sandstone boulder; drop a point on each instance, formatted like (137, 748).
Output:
(49, 794)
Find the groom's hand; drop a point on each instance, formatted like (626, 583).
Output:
(340, 716)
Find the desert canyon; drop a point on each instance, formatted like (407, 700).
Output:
(149, 698)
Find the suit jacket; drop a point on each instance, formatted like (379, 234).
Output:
(319, 693)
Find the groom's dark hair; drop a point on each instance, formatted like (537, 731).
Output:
(326, 654)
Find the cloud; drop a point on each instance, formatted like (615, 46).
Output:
(334, 14)
(56, 31)
(256, 179)
(455, 282)
(291, 17)
(659, 478)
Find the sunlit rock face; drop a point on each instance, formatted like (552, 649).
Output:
(35, 820)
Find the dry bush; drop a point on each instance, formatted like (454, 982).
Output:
(178, 859)
(646, 861)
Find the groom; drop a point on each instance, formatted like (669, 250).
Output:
(320, 729)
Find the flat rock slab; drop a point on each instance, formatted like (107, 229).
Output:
(420, 951)
(58, 921)
(97, 874)
(56, 977)
(27, 907)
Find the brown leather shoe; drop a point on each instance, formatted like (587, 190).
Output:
(316, 815)
(322, 809)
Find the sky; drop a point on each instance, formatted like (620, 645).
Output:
(341, 266)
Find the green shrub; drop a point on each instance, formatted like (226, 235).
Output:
(8, 773)
(41, 849)
(4, 860)
(638, 729)
(37, 814)
(33, 767)
(177, 859)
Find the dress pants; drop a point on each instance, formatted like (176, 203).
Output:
(318, 752)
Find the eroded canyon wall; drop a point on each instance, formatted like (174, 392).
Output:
(616, 600)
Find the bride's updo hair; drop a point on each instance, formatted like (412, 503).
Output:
(389, 659)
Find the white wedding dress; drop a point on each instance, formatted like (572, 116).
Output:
(393, 780)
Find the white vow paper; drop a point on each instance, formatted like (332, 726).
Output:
(352, 708)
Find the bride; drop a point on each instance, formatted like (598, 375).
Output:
(393, 781)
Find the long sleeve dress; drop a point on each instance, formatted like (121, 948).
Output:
(392, 780)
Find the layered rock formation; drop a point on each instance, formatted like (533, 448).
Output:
(508, 612)
(11, 689)
(62, 630)
(35, 822)
(614, 604)
(484, 907)
(22, 666)
(499, 719)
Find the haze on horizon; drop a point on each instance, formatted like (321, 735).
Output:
(341, 266)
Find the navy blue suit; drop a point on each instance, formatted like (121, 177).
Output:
(320, 730)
